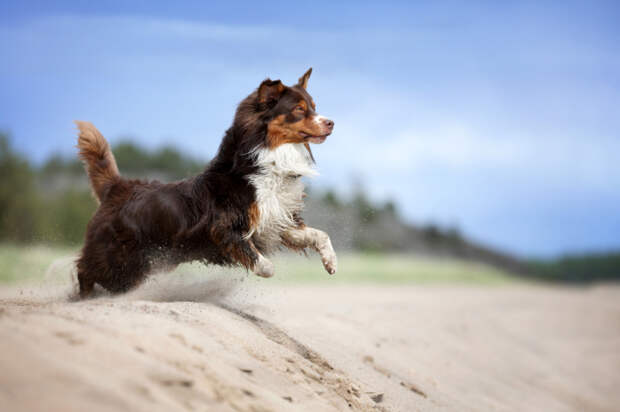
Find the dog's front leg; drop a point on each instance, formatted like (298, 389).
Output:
(240, 250)
(249, 256)
(318, 240)
(262, 266)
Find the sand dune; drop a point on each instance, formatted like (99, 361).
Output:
(232, 346)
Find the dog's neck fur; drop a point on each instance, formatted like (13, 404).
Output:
(279, 189)
(285, 160)
(274, 175)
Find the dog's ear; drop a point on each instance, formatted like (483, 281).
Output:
(303, 80)
(269, 92)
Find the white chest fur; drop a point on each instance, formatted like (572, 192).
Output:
(279, 190)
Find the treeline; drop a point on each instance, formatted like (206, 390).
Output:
(52, 203)
(133, 160)
(579, 268)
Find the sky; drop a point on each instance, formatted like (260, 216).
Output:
(499, 118)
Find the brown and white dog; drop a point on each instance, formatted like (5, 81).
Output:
(245, 205)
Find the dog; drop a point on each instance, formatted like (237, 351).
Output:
(245, 205)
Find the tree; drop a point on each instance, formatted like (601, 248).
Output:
(18, 217)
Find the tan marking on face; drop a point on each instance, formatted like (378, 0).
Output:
(279, 131)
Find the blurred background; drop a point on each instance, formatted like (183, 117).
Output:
(473, 140)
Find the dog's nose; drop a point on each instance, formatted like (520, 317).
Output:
(329, 123)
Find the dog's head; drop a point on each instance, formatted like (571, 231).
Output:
(289, 113)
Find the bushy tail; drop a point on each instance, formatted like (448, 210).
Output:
(98, 159)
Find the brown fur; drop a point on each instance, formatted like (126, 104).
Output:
(97, 158)
(281, 130)
(141, 226)
(303, 80)
(254, 215)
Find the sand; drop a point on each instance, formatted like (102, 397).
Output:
(257, 346)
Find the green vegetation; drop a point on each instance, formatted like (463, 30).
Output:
(18, 201)
(20, 263)
(388, 268)
(580, 268)
(135, 160)
(52, 203)
(132, 160)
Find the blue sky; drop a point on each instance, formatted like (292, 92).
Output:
(502, 119)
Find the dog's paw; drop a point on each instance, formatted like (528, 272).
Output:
(330, 261)
(328, 255)
(264, 268)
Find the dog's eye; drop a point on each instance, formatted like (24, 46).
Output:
(300, 109)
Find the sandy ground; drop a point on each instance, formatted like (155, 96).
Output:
(226, 345)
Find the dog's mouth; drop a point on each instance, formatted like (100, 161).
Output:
(316, 139)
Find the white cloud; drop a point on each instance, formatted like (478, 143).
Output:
(561, 160)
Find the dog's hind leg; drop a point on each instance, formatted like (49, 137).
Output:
(86, 283)
(304, 236)
(87, 271)
(128, 273)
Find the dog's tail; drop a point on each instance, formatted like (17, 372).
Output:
(97, 157)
